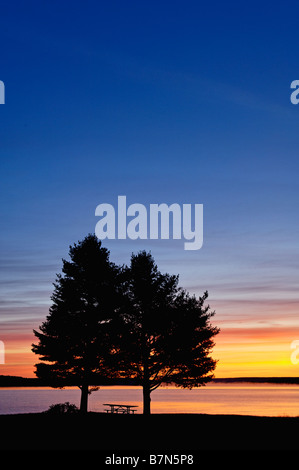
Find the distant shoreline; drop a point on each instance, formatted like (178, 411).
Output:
(16, 381)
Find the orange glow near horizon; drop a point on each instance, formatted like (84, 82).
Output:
(241, 352)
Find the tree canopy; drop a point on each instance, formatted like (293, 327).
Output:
(165, 335)
(74, 339)
(125, 322)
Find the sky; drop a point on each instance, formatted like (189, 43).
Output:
(164, 102)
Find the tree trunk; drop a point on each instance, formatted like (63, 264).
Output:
(146, 400)
(84, 398)
(146, 375)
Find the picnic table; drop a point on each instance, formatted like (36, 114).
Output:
(124, 409)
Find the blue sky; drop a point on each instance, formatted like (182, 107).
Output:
(165, 101)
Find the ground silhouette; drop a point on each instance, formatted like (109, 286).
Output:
(111, 433)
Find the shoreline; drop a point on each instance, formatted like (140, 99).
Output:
(17, 381)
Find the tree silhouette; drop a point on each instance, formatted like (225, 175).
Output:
(164, 334)
(74, 340)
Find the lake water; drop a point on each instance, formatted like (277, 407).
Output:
(244, 399)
